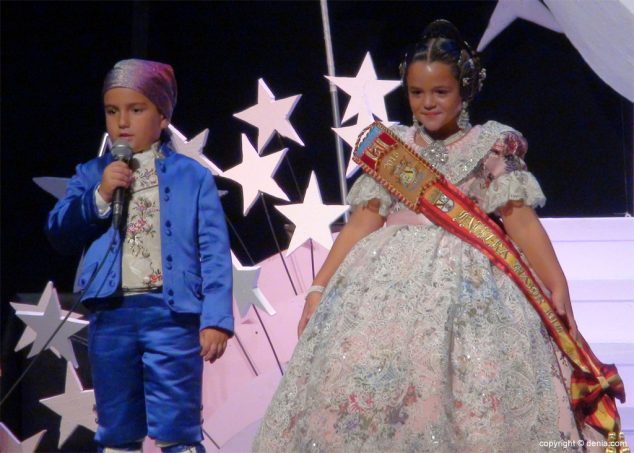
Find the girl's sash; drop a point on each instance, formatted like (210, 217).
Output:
(423, 189)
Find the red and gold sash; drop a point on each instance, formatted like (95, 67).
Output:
(423, 189)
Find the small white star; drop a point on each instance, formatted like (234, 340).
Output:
(11, 444)
(75, 406)
(505, 13)
(366, 91)
(255, 174)
(270, 115)
(28, 336)
(245, 288)
(54, 186)
(312, 218)
(44, 324)
(194, 148)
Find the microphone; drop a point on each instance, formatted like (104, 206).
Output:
(121, 151)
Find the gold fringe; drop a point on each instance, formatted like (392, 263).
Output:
(617, 444)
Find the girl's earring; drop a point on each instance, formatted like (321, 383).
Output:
(463, 118)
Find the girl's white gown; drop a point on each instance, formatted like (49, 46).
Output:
(419, 343)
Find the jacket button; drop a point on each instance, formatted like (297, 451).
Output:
(170, 292)
(111, 283)
(168, 224)
(169, 258)
(171, 301)
(166, 198)
(168, 232)
(167, 190)
(169, 266)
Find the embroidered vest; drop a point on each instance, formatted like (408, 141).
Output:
(141, 259)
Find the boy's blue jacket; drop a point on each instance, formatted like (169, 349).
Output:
(196, 261)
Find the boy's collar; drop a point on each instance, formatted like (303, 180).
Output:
(160, 149)
(165, 149)
(153, 149)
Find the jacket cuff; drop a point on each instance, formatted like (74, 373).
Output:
(103, 208)
(223, 322)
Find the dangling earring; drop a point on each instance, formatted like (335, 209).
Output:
(463, 118)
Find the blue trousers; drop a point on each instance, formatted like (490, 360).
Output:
(147, 371)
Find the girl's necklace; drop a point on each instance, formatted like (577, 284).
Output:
(436, 150)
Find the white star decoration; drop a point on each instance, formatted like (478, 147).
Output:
(245, 288)
(28, 336)
(194, 148)
(54, 186)
(11, 444)
(270, 115)
(506, 11)
(43, 320)
(366, 91)
(75, 406)
(255, 174)
(312, 218)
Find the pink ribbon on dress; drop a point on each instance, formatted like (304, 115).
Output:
(405, 216)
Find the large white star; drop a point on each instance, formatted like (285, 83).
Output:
(75, 406)
(312, 218)
(194, 148)
(255, 174)
(245, 288)
(44, 324)
(506, 11)
(28, 336)
(11, 444)
(270, 115)
(350, 134)
(366, 91)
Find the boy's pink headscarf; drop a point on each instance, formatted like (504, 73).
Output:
(153, 79)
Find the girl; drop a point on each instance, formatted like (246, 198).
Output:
(411, 339)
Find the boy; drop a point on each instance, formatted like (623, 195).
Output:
(162, 296)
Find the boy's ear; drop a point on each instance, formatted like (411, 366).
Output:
(164, 122)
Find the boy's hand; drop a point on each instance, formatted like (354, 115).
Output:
(213, 343)
(117, 174)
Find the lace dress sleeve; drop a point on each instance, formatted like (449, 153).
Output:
(507, 177)
(365, 189)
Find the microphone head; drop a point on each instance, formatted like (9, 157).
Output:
(121, 150)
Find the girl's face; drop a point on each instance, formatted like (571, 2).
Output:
(132, 116)
(434, 97)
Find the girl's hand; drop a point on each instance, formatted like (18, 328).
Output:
(117, 174)
(563, 307)
(312, 301)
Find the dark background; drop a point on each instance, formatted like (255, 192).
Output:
(55, 55)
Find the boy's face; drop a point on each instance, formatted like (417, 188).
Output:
(132, 116)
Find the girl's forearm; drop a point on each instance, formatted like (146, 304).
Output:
(363, 221)
(523, 226)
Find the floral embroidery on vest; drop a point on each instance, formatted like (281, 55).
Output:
(141, 263)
